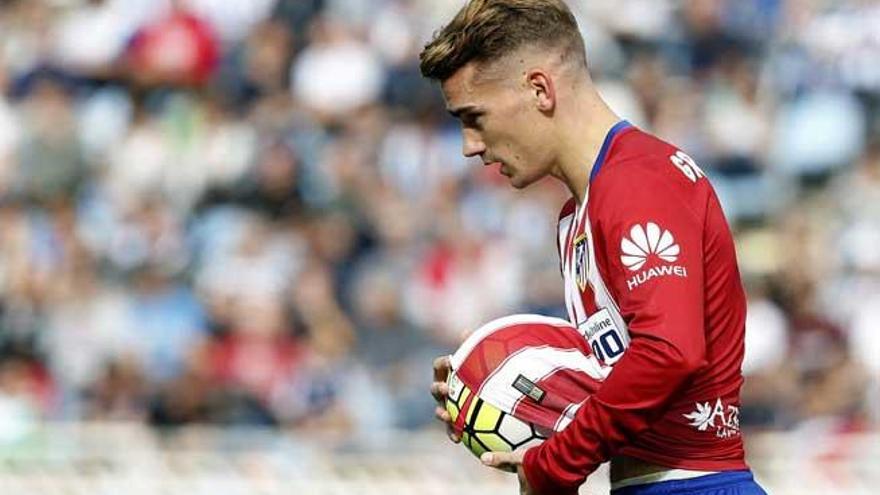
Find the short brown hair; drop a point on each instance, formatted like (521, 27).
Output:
(485, 30)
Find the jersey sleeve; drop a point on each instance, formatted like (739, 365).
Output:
(648, 236)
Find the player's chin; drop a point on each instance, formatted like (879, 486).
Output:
(518, 181)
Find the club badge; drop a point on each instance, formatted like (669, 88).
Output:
(581, 261)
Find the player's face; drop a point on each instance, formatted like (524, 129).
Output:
(499, 124)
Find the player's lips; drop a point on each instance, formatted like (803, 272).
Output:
(502, 169)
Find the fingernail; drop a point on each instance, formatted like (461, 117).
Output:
(486, 458)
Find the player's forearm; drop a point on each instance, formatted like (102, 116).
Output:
(627, 404)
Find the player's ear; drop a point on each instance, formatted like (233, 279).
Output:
(541, 86)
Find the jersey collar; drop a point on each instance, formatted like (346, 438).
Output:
(609, 138)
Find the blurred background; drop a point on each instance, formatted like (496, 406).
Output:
(234, 234)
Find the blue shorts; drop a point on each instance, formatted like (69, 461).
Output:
(726, 483)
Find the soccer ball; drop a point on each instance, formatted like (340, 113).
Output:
(518, 379)
(484, 427)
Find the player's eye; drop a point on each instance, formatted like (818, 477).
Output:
(472, 120)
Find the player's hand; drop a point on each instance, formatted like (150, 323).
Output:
(512, 463)
(440, 390)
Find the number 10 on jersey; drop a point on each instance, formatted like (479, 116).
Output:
(604, 337)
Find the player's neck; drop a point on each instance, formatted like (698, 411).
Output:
(581, 141)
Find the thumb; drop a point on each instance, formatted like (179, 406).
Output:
(500, 460)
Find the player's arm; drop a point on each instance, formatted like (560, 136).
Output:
(665, 319)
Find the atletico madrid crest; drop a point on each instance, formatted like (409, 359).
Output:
(581, 261)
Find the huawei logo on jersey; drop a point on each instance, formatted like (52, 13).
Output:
(645, 241)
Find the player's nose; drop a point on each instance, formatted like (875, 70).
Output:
(472, 145)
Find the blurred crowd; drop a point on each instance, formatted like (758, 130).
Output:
(256, 211)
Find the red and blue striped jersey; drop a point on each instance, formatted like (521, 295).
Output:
(651, 281)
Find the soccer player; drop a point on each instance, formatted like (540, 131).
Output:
(648, 261)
